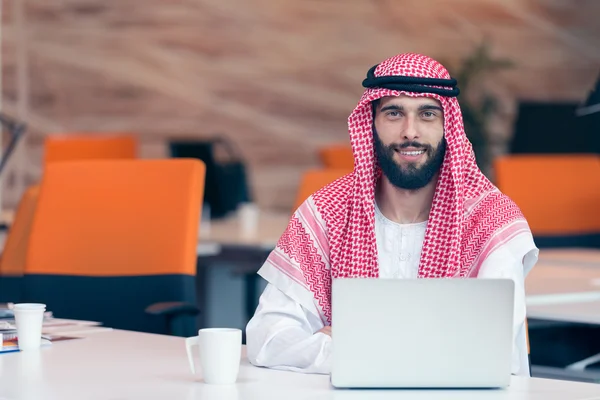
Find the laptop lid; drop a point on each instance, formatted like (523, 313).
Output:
(422, 333)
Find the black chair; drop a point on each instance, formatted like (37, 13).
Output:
(226, 180)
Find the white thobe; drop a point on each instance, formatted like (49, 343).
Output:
(283, 334)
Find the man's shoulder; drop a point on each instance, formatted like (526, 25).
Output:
(490, 202)
(332, 200)
(335, 191)
(491, 211)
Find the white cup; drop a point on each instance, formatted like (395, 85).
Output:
(220, 351)
(29, 318)
(248, 214)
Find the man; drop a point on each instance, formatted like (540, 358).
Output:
(415, 206)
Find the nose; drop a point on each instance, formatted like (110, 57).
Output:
(410, 131)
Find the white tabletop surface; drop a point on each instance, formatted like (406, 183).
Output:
(126, 365)
(576, 312)
(228, 231)
(565, 286)
(571, 256)
(565, 271)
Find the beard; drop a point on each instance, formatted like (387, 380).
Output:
(410, 177)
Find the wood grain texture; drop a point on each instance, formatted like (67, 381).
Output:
(277, 77)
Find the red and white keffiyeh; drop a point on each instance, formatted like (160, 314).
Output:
(332, 235)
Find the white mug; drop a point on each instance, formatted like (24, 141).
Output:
(220, 351)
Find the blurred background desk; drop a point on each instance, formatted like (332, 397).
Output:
(563, 309)
(228, 259)
(565, 286)
(228, 231)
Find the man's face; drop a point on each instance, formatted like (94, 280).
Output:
(409, 139)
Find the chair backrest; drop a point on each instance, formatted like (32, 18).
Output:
(337, 156)
(88, 146)
(12, 262)
(112, 237)
(558, 194)
(315, 179)
(227, 184)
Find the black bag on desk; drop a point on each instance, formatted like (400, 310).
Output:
(226, 183)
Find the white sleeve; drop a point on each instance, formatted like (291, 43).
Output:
(281, 335)
(513, 260)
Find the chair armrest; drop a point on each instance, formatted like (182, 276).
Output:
(583, 364)
(172, 308)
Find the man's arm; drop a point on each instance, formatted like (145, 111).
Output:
(512, 261)
(284, 335)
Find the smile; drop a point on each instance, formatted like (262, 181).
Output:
(412, 153)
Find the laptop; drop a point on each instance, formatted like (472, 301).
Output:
(422, 333)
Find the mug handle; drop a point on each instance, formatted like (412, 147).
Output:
(189, 344)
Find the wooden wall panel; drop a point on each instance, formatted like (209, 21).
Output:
(278, 77)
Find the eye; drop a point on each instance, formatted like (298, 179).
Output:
(393, 114)
(428, 114)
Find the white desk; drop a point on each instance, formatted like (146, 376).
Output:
(570, 256)
(128, 365)
(577, 312)
(565, 286)
(227, 231)
(565, 271)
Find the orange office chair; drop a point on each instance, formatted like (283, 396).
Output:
(12, 262)
(315, 179)
(337, 156)
(115, 241)
(558, 194)
(85, 146)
